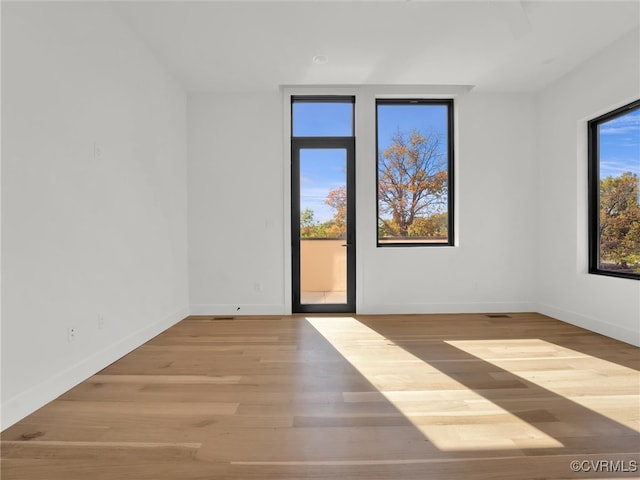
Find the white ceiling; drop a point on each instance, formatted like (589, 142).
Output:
(243, 46)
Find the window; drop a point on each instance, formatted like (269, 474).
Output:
(323, 204)
(414, 172)
(614, 193)
(322, 116)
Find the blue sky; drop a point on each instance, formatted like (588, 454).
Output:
(320, 172)
(323, 170)
(322, 119)
(424, 118)
(620, 145)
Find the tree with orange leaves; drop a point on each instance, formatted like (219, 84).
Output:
(337, 200)
(620, 221)
(412, 182)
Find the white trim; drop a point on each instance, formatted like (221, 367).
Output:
(287, 92)
(286, 204)
(28, 401)
(365, 127)
(592, 324)
(240, 309)
(417, 91)
(381, 90)
(426, 308)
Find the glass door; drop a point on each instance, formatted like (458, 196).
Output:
(323, 225)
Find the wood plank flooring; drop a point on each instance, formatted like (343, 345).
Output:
(351, 397)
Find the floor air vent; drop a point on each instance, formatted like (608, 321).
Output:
(498, 315)
(215, 319)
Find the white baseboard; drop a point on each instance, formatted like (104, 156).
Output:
(418, 308)
(614, 331)
(25, 403)
(233, 309)
(371, 309)
(30, 400)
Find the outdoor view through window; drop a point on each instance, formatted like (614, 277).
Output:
(615, 192)
(322, 164)
(415, 196)
(323, 207)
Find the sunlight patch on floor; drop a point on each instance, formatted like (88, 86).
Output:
(604, 387)
(452, 416)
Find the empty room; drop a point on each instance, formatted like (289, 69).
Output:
(270, 239)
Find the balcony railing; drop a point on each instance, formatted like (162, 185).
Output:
(323, 270)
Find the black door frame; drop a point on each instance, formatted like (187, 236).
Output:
(297, 144)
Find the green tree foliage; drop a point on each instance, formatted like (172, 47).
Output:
(412, 186)
(620, 221)
(309, 228)
(334, 228)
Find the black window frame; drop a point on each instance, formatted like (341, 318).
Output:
(313, 142)
(449, 103)
(594, 190)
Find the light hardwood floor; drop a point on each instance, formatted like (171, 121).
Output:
(346, 397)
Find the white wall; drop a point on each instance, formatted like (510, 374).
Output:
(236, 194)
(566, 291)
(521, 206)
(92, 234)
(85, 235)
(239, 204)
(491, 267)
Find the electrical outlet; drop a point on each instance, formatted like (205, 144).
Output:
(72, 332)
(97, 151)
(101, 321)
